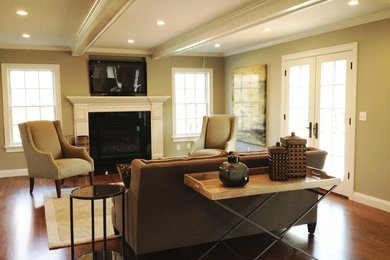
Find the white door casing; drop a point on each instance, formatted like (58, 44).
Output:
(325, 103)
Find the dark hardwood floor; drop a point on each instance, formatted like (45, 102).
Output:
(345, 230)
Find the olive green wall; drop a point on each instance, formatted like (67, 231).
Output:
(372, 172)
(159, 84)
(74, 82)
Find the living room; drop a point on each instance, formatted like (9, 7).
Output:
(371, 176)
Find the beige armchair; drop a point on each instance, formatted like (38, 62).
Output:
(48, 155)
(219, 133)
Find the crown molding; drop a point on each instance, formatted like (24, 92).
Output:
(34, 47)
(134, 52)
(252, 14)
(339, 26)
(201, 54)
(100, 17)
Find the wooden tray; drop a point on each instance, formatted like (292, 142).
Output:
(209, 185)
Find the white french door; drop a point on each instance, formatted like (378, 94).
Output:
(319, 106)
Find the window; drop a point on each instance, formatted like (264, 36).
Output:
(191, 100)
(30, 92)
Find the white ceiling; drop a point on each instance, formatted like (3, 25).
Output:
(192, 26)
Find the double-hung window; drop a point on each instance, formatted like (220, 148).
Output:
(30, 92)
(191, 100)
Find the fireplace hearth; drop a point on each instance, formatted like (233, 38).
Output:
(118, 137)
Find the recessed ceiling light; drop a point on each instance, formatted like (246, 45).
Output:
(160, 22)
(353, 2)
(217, 45)
(267, 29)
(130, 41)
(26, 35)
(21, 12)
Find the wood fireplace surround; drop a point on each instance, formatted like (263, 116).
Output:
(83, 105)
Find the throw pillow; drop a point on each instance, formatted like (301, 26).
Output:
(124, 170)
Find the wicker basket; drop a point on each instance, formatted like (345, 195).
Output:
(296, 148)
(278, 162)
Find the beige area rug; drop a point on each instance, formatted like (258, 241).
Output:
(57, 215)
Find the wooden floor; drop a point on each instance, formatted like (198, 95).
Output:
(345, 230)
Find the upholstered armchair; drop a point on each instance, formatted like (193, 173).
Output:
(48, 155)
(219, 133)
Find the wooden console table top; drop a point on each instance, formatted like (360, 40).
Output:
(209, 185)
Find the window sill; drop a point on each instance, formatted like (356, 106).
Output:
(184, 139)
(13, 149)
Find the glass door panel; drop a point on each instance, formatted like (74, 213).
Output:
(300, 82)
(332, 115)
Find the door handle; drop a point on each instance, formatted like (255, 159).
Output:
(310, 129)
(315, 130)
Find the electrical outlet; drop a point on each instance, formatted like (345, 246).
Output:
(178, 147)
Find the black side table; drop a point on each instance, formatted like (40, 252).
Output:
(92, 193)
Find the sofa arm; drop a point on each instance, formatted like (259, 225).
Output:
(315, 157)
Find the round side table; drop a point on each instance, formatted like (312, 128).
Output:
(92, 193)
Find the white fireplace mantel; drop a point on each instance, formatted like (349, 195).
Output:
(82, 105)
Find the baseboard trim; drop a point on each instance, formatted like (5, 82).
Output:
(372, 201)
(13, 173)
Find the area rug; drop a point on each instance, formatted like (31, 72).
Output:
(57, 216)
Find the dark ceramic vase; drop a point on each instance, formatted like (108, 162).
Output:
(233, 173)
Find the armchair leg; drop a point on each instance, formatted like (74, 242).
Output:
(91, 177)
(58, 188)
(31, 185)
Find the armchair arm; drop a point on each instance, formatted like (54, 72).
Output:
(200, 143)
(196, 145)
(231, 143)
(68, 150)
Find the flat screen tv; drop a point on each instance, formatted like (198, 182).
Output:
(117, 78)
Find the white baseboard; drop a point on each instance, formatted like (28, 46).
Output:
(13, 173)
(372, 201)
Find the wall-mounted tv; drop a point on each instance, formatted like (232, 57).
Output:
(117, 78)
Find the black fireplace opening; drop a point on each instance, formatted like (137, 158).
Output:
(118, 137)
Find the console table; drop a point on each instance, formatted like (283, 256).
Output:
(92, 193)
(209, 185)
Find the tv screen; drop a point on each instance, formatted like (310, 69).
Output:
(117, 78)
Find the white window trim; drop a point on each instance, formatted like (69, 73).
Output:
(5, 67)
(187, 138)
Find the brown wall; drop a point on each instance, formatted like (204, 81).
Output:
(74, 82)
(372, 173)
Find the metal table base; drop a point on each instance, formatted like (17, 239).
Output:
(105, 254)
(277, 238)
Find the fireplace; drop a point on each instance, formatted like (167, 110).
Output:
(118, 137)
(84, 106)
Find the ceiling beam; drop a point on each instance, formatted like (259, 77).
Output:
(101, 16)
(249, 15)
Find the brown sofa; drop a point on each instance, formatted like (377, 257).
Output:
(163, 213)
